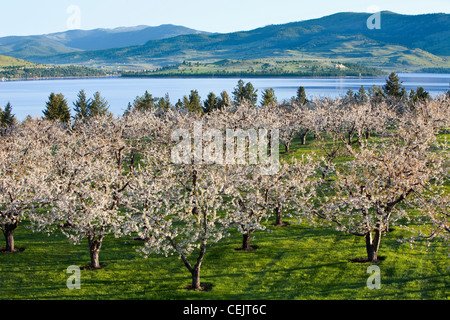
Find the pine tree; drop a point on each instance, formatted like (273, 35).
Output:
(186, 104)
(179, 104)
(245, 92)
(361, 96)
(376, 94)
(211, 103)
(422, 94)
(57, 108)
(251, 93)
(145, 103)
(224, 100)
(7, 119)
(98, 106)
(81, 106)
(393, 87)
(164, 103)
(350, 97)
(268, 97)
(195, 104)
(419, 95)
(301, 95)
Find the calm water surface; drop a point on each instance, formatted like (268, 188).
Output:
(29, 97)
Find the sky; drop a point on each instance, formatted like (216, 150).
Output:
(30, 17)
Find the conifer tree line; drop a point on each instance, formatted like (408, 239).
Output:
(92, 175)
(58, 108)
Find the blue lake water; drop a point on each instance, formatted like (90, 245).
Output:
(29, 97)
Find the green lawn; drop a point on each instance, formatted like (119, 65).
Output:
(293, 262)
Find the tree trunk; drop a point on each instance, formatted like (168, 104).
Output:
(373, 244)
(246, 240)
(94, 250)
(324, 171)
(8, 232)
(287, 146)
(196, 278)
(303, 137)
(278, 215)
(195, 271)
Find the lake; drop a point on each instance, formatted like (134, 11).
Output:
(29, 97)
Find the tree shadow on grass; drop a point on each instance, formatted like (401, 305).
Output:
(16, 250)
(364, 260)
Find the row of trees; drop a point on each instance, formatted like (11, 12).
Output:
(105, 176)
(392, 92)
(20, 72)
(57, 107)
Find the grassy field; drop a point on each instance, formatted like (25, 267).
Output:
(6, 61)
(296, 262)
(259, 68)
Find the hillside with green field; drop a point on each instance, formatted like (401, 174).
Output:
(18, 69)
(259, 68)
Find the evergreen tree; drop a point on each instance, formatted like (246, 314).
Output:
(145, 103)
(179, 104)
(195, 104)
(361, 96)
(350, 97)
(422, 94)
(7, 119)
(404, 94)
(224, 100)
(211, 103)
(57, 108)
(239, 92)
(393, 87)
(301, 96)
(164, 103)
(268, 97)
(98, 106)
(419, 95)
(251, 93)
(245, 92)
(186, 103)
(81, 106)
(376, 95)
(128, 110)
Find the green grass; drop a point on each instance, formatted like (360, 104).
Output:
(259, 68)
(293, 262)
(6, 61)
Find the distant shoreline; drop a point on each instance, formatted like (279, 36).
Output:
(57, 78)
(243, 75)
(209, 76)
(183, 76)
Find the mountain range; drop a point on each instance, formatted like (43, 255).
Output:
(32, 47)
(403, 43)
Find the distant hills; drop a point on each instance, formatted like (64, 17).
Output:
(32, 47)
(404, 43)
(19, 69)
